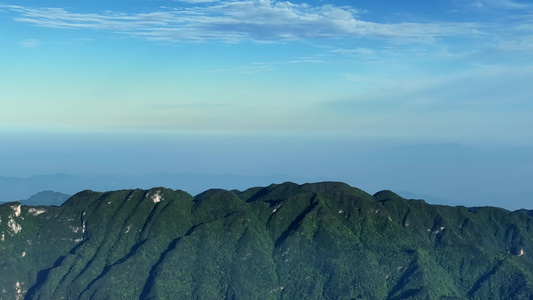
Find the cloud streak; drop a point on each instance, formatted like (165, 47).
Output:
(234, 21)
(505, 4)
(29, 43)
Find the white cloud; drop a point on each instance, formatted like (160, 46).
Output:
(232, 21)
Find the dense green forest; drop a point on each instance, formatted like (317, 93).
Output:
(313, 241)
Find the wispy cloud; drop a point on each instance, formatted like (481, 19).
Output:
(29, 43)
(188, 106)
(360, 52)
(506, 4)
(517, 35)
(495, 89)
(523, 44)
(233, 21)
(494, 4)
(258, 67)
(196, 1)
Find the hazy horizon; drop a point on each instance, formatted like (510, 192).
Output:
(442, 173)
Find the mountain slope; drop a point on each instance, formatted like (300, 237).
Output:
(287, 241)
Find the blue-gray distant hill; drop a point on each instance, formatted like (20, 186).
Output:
(46, 198)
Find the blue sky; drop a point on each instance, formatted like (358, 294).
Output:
(420, 72)
(421, 68)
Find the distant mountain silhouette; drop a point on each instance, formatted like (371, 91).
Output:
(46, 198)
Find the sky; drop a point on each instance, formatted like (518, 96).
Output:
(300, 78)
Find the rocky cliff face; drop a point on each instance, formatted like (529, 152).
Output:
(287, 241)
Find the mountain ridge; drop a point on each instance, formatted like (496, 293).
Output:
(324, 240)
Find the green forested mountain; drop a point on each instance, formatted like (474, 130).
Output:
(287, 241)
